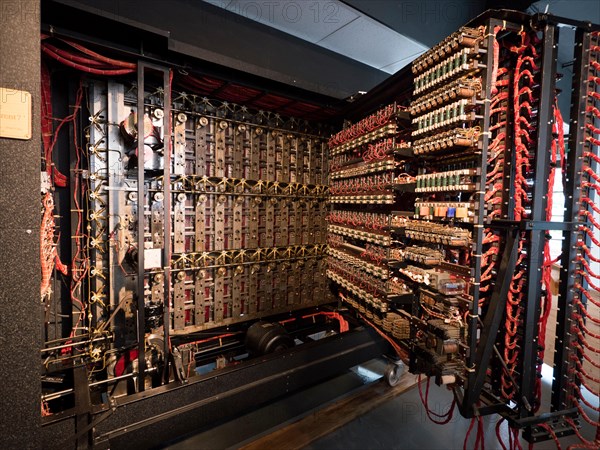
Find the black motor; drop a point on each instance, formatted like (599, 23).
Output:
(267, 337)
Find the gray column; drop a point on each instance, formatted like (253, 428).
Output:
(20, 313)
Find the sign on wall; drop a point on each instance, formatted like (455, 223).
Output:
(15, 114)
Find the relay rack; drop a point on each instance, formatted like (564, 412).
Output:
(471, 259)
(367, 159)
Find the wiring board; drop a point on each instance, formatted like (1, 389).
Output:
(216, 217)
(233, 187)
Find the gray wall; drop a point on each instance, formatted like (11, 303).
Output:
(20, 313)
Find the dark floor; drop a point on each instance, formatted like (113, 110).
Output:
(262, 421)
(400, 423)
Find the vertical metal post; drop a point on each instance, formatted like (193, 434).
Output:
(572, 205)
(478, 228)
(166, 254)
(167, 219)
(141, 222)
(537, 238)
(491, 323)
(83, 406)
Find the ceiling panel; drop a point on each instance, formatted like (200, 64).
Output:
(333, 25)
(425, 21)
(371, 43)
(309, 20)
(396, 66)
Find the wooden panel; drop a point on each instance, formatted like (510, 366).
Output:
(219, 220)
(220, 128)
(201, 147)
(256, 137)
(199, 292)
(157, 227)
(179, 223)
(253, 289)
(219, 293)
(179, 145)
(270, 159)
(179, 301)
(269, 231)
(285, 157)
(200, 226)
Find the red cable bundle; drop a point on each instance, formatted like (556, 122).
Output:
(513, 437)
(480, 437)
(93, 63)
(48, 136)
(513, 314)
(48, 254)
(344, 326)
(582, 307)
(439, 419)
(521, 124)
(584, 350)
(99, 65)
(493, 88)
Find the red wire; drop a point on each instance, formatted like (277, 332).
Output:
(587, 267)
(471, 424)
(582, 372)
(433, 416)
(399, 350)
(589, 280)
(583, 381)
(114, 62)
(83, 68)
(587, 331)
(591, 173)
(582, 398)
(585, 355)
(590, 444)
(75, 58)
(590, 234)
(496, 60)
(344, 326)
(594, 141)
(480, 433)
(593, 110)
(591, 155)
(498, 435)
(592, 128)
(552, 434)
(590, 203)
(591, 218)
(585, 417)
(584, 341)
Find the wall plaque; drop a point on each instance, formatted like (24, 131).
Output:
(15, 114)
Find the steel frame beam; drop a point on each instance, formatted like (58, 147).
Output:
(143, 67)
(537, 237)
(573, 195)
(491, 325)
